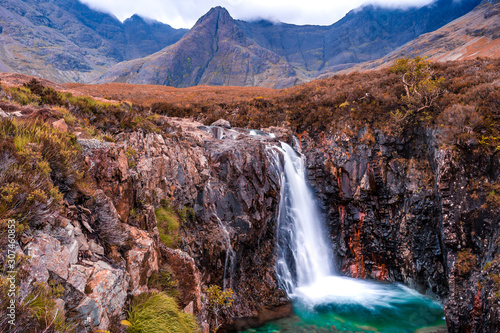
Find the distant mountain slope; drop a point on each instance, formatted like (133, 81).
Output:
(65, 40)
(476, 34)
(279, 55)
(363, 34)
(214, 52)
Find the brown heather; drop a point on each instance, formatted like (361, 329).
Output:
(346, 102)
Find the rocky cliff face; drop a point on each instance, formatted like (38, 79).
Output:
(104, 248)
(401, 209)
(231, 180)
(407, 209)
(418, 207)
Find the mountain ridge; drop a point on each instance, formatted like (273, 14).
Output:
(476, 34)
(65, 40)
(202, 55)
(304, 52)
(377, 31)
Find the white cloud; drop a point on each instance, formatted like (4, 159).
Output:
(184, 13)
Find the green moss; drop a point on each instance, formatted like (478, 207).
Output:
(186, 215)
(133, 213)
(155, 313)
(487, 266)
(168, 225)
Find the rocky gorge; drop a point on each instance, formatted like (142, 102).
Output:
(102, 254)
(401, 206)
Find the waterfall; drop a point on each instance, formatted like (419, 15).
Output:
(304, 255)
(305, 270)
(229, 262)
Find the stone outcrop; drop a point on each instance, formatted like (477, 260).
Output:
(186, 271)
(95, 291)
(229, 179)
(142, 259)
(105, 247)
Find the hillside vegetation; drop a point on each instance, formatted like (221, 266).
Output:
(344, 103)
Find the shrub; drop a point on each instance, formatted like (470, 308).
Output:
(24, 96)
(36, 312)
(493, 197)
(466, 261)
(158, 313)
(217, 301)
(421, 86)
(460, 124)
(47, 94)
(38, 164)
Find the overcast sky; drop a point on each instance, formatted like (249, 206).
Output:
(184, 13)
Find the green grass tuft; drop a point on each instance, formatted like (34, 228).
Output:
(165, 281)
(158, 313)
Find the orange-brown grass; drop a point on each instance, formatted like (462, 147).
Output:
(148, 94)
(347, 103)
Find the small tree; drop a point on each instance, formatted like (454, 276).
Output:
(217, 300)
(421, 86)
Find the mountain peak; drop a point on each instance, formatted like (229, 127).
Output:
(134, 18)
(216, 14)
(218, 10)
(217, 22)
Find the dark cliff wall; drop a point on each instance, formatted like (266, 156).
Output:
(409, 209)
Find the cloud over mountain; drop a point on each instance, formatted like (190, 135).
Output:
(185, 13)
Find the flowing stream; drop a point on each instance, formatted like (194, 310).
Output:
(323, 300)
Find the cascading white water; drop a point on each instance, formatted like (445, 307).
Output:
(304, 256)
(229, 262)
